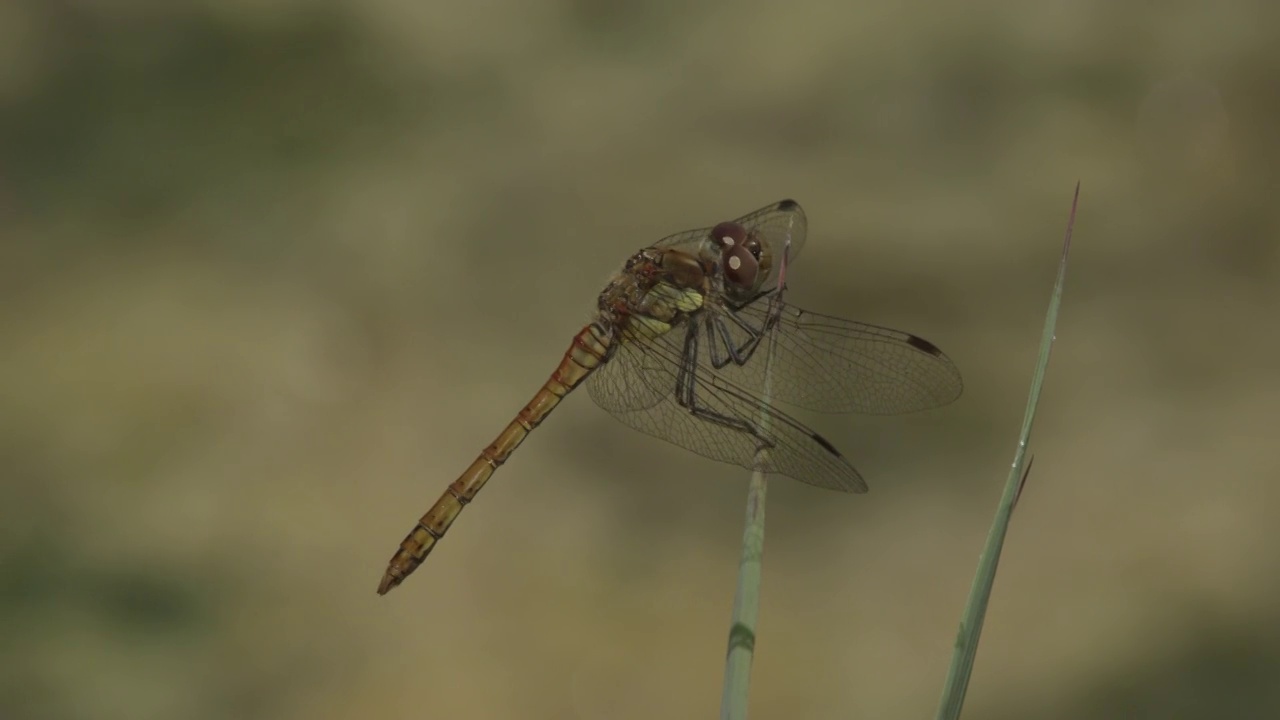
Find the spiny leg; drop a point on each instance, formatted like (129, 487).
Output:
(687, 397)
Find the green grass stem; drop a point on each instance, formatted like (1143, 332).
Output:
(746, 596)
(966, 647)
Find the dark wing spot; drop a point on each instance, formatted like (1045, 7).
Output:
(788, 205)
(827, 445)
(923, 346)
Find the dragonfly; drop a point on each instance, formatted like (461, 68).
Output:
(687, 342)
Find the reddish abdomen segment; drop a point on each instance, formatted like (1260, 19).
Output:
(589, 349)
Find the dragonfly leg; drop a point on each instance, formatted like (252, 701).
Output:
(732, 422)
(738, 355)
(718, 333)
(687, 396)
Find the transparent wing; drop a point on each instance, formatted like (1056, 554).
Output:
(721, 420)
(828, 364)
(773, 224)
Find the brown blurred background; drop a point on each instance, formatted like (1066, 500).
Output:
(272, 272)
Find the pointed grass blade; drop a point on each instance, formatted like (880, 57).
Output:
(966, 647)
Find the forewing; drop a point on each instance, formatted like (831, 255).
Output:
(828, 364)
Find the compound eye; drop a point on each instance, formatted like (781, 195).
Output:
(728, 234)
(740, 265)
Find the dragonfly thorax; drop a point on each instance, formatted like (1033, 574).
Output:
(656, 290)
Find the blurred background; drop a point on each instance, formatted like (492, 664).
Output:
(272, 272)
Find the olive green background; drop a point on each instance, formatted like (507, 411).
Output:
(273, 272)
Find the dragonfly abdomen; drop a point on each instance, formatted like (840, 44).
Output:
(590, 347)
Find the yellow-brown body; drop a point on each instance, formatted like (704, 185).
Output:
(656, 290)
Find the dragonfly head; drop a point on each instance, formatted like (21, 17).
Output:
(744, 260)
